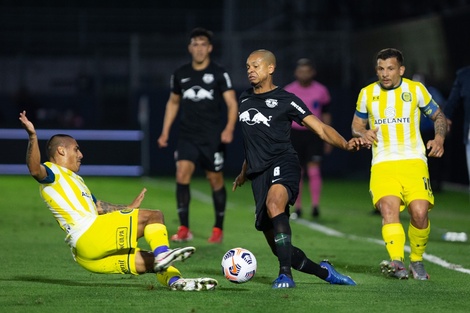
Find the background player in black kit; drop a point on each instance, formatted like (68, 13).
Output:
(200, 88)
(271, 163)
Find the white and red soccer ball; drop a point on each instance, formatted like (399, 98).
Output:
(239, 265)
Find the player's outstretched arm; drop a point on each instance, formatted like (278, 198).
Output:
(359, 130)
(330, 135)
(138, 200)
(104, 207)
(33, 154)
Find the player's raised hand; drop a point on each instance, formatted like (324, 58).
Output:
(27, 124)
(138, 200)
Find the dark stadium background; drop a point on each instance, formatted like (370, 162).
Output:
(88, 64)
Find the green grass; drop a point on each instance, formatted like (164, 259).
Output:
(39, 275)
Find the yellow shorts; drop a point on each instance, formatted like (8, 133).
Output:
(405, 179)
(110, 244)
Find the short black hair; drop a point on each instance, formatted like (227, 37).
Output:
(305, 62)
(388, 53)
(54, 142)
(199, 31)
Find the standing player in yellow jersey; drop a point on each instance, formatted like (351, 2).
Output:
(399, 173)
(103, 236)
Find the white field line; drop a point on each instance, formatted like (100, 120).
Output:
(428, 257)
(205, 198)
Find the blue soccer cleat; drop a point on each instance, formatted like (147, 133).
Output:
(283, 281)
(334, 277)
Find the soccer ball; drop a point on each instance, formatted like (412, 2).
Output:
(239, 265)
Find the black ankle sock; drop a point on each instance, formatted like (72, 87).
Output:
(282, 239)
(303, 264)
(219, 198)
(183, 196)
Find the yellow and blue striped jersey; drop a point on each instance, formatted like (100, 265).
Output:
(397, 114)
(69, 200)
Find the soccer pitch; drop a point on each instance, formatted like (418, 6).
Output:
(39, 275)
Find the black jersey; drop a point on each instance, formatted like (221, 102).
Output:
(201, 100)
(266, 121)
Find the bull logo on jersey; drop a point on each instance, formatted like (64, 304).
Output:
(197, 93)
(208, 78)
(253, 116)
(271, 103)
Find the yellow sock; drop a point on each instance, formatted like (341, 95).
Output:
(156, 235)
(168, 276)
(418, 241)
(394, 237)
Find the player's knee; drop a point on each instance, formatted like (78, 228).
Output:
(183, 178)
(275, 207)
(157, 217)
(152, 216)
(420, 218)
(184, 172)
(216, 180)
(389, 205)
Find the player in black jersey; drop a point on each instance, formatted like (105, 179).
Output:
(271, 163)
(199, 89)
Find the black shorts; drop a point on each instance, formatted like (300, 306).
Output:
(209, 156)
(308, 145)
(285, 171)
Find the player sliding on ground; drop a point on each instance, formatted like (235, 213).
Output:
(103, 236)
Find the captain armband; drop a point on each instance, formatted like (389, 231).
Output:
(430, 109)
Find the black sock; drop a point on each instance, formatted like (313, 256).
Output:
(182, 199)
(219, 198)
(282, 240)
(303, 264)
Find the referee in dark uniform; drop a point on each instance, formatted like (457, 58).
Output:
(271, 163)
(199, 89)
